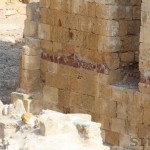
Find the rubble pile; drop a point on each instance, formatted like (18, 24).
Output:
(21, 130)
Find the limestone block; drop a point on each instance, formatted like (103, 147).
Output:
(105, 122)
(30, 62)
(57, 80)
(44, 31)
(85, 117)
(145, 21)
(91, 9)
(45, 3)
(88, 130)
(48, 127)
(128, 96)
(114, 76)
(5, 110)
(31, 28)
(122, 110)
(32, 11)
(53, 68)
(29, 119)
(146, 114)
(64, 69)
(134, 111)
(110, 12)
(105, 107)
(127, 57)
(84, 87)
(86, 24)
(109, 44)
(117, 94)
(57, 34)
(46, 46)
(118, 125)
(137, 100)
(123, 28)
(133, 27)
(131, 43)
(124, 140)
(144, 35)
(64, 98)
(45, 15)
(59, 18)
(144, 65)
(103, 135)
(44, 65)
(30, 80)
(144, 51)
(144, 88)
(82, 101)
(137, 12)
(143, 130)
(112, 27)
(112, 138)
(11, 109)
(57, 47)
(50, 94)
(32, 42)
(15, 96)
(19, 107)
(27, 104)
(55, 4)
(112, 60)
(146, 100)
(26, 117)
(8, 127)
(105, 91)
(129, 11)
(91, 41)
(30, 51)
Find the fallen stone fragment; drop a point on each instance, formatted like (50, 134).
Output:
(19, 106)
(11, 110)
(8, 128)
(88, 130)
(29, 119)
(26, 117)
(48, 127)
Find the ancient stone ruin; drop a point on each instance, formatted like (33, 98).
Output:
(47, 131)
(90, 57)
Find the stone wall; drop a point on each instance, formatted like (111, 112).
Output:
(89, 64)
(144, 48)
(12, 15)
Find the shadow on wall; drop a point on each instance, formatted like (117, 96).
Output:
(9, 67)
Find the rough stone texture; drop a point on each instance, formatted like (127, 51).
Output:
(49, 130)
(12, 15)
(86, 46)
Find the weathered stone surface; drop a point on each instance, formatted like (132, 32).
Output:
(19, 107)
(8, 128)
